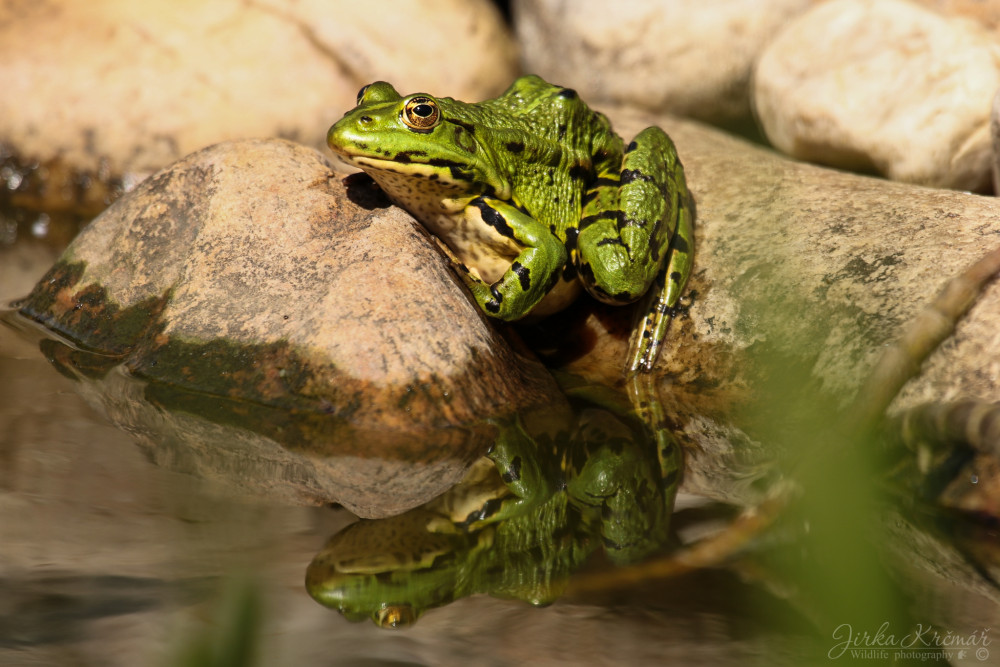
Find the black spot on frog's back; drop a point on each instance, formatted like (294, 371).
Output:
(629, 175)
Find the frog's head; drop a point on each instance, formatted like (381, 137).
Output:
(417, 137)
(391, 570)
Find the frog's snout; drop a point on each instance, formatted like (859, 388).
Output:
(339, 136)
(349, 131)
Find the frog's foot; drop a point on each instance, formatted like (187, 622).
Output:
(658, 308)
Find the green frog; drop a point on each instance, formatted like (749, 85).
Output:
(533, 196)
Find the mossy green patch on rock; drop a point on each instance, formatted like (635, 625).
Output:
(86, 315)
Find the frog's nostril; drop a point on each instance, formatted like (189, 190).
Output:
(365, 120)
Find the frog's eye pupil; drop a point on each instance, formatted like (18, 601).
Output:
(423, 110)
(361, 93)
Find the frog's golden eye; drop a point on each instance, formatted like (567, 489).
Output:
(395, 616)
(361, 93)
(421, 113)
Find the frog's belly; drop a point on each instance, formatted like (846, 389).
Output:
(560, 296)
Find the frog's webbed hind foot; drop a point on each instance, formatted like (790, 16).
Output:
(649, 329)
(658, 307)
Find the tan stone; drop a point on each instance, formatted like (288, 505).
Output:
(120, 89)
(246, 284)
(882, 85)
(995, 134)
(691, 59)
(986, 12)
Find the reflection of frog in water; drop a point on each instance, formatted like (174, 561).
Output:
(565, 487)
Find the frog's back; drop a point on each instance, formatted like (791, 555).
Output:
(552, 113)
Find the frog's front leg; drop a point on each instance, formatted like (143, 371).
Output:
(531, 274)
(636, 232)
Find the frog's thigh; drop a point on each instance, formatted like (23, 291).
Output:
(619, 483)
(533, 271)
(629, 219)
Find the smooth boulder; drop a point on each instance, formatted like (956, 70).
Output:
(248, 274)
(98, 95)
(689, 59)
(882, 86)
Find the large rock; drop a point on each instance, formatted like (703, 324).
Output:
(245, 285)
(802, 277)
(100, 94)
(686, 58)
(995, 134)
(885, 86)
(984, 13)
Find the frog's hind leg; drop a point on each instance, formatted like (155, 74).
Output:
(635, 222)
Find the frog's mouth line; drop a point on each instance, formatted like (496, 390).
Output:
(446, 172)
(407, 167)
